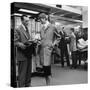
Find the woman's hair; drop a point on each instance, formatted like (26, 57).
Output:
(44, 15)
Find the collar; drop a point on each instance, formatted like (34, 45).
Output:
(46, 24)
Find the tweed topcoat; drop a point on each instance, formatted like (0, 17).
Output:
(47, 39)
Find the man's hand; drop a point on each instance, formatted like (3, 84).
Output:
(66, 38)
(21, 45)
(55, 43)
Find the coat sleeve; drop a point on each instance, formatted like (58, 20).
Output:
(58, 36)
(16, 37)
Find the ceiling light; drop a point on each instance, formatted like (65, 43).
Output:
(16, 14)
(28, 11)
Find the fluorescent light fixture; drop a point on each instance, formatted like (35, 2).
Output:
(28, 11)
(16, 14)
(71, 9)
(79, 21)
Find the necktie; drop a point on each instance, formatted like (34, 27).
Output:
(26, 29)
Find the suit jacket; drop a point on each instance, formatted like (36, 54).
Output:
(20, 35)
(62, 43)
(47, 39)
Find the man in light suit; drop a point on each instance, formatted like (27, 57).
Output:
(21, 36)
(48, 32)
(73, 49)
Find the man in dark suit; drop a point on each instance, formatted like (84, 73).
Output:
(63, 48)
(21, 36)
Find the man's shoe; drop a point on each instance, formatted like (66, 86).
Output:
(48, 80)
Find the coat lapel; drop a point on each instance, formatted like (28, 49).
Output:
(25, 33)
(45, 29)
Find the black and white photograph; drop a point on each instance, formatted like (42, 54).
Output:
(49, 44)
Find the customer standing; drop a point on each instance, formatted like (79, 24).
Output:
(73, 49)
(63, 48)
(24, 63)
(48, 41)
